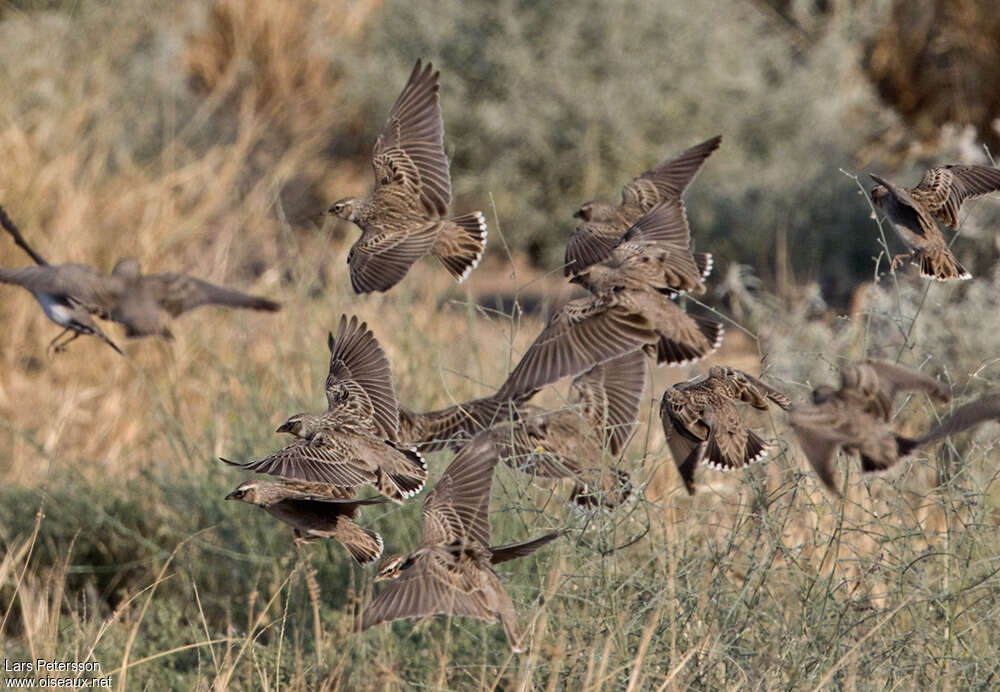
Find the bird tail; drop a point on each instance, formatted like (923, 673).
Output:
(364, 545)
(939, 264)
(675, 352)
(404, 476)
(503, 553)
(755, 450)
(460, 244)
(705, 263)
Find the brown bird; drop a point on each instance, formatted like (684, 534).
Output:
(624, 316)
(603, 223)
(316, 510)
(856, 417)
(654, 252)
(703, 423)
(403, 220)
(914, 213)
(354, 442)
(452, 570)
(600, 418)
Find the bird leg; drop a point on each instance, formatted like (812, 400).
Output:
(59, 348)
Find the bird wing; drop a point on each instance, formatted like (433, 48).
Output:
(591, 242)
(982, 409)
(503, 553)
(664, 223)
(755, 392)
(581, 334)
(313, 462)
(383, 255)
(893, 379)
(943, 190)
(177, 293)
(670, 179)
(610, 394)
(409, 153)
(458, 507)
(435, 430)
(821, 431)
(358, 361)
(93, 291)
(430, 586)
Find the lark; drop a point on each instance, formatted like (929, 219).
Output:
(914, 213)
(451, 572)
(403, 219)
(621, 317)
(144, 303)
(655, 252)
(703, 423)
(598, 421)
(603, 223)
(857, 417)
(316, 510)
(355, 442)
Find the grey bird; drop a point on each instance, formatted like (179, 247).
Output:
(144, 303)
(451, 572)
(857, 417)
(915, 212)
(703, 422)
(316, 510)
(353, 443)
(598, 421)
(603, 223)
(403, 219)
(55, 289)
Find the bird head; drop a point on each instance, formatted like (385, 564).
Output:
(392, 567)
(344, 208)
(300, 425)
(879, 193)
(246, 492)
(597, 211)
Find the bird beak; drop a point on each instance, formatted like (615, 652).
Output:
(284, 428)
(379, 577)
(576, 279)
(232, 495)
(577, 214)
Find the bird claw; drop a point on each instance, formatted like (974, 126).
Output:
(898, 260)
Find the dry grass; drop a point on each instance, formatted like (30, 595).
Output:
(191, 141)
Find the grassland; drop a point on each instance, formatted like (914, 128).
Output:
(197, 139)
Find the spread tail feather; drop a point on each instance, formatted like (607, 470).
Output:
(939, 264)
(461, 243)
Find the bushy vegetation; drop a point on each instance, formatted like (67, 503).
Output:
(197, 137)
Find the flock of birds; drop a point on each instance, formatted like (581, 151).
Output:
(634, 259)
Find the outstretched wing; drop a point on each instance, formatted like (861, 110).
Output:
(670, 179)
(177, 293)
(382, 256)
(943, 190)
(314, 463)
(610, 394)
(458, 507)
(580, 335)
(409, 154)
(591, 242)
(78, 282)
(429, 587)
(360, 368)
